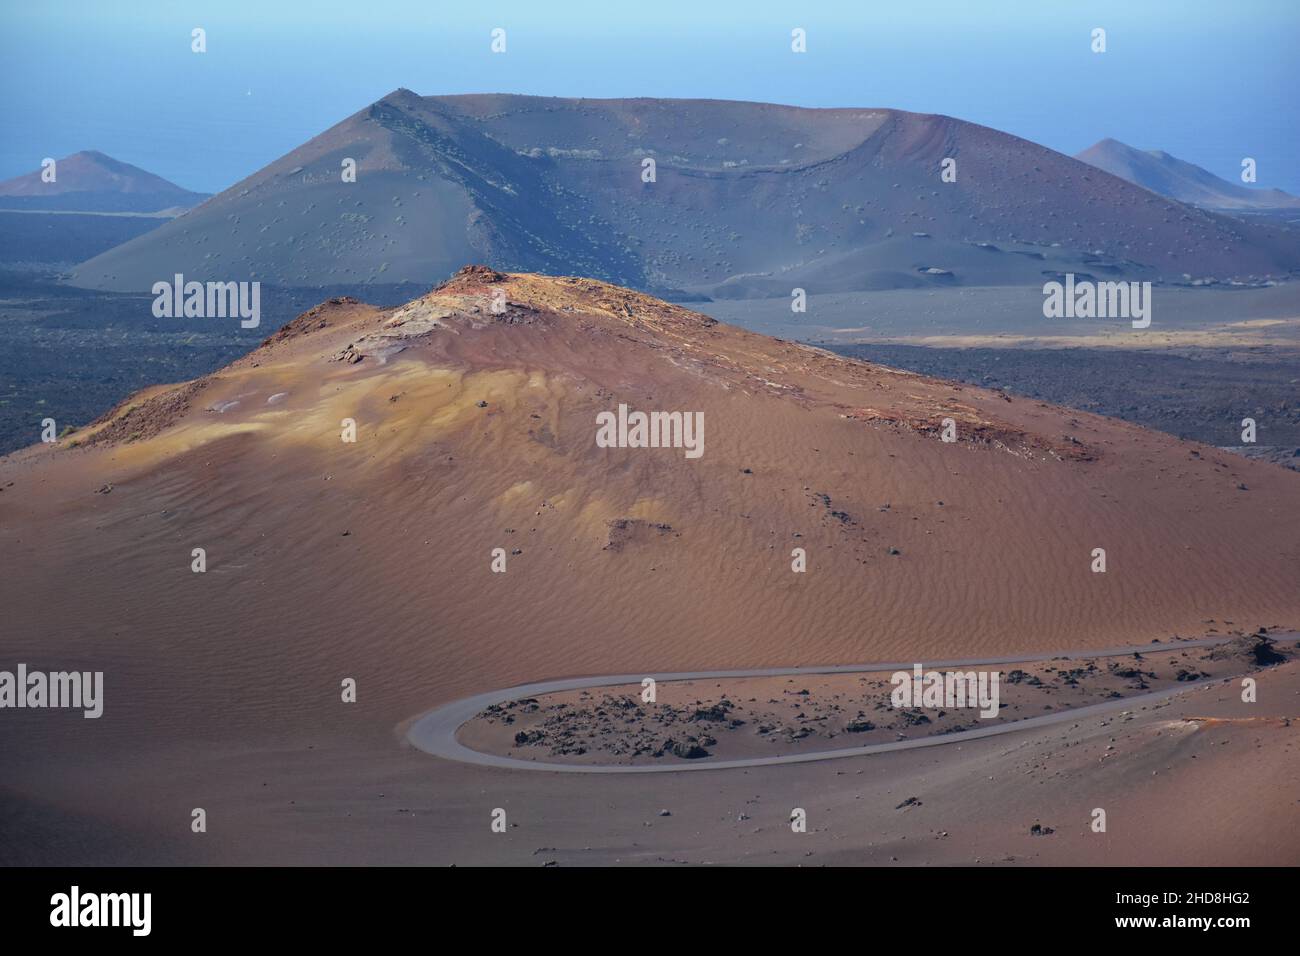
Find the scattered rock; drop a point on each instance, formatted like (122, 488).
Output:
(687, 750)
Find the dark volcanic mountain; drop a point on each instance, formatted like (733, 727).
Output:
(749, 199)
(89, 181)
(1170, 176)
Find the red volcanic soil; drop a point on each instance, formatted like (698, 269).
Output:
(372, 559)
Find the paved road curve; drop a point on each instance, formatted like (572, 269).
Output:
(435, 732)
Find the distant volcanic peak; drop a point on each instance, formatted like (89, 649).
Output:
(1167, 175)
(741, 201)
(91, 170)
(93, 181)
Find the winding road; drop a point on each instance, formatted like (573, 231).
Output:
(435, 732)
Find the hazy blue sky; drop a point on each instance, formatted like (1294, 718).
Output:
(1210, 82)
